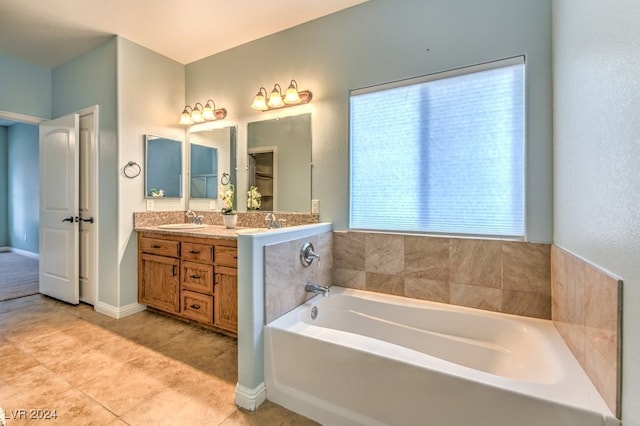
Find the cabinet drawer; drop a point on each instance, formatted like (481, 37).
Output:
(196, 306)
(197, 252)
(160, 247)
(227, 256)
(197, 277)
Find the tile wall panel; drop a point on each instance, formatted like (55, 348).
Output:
(502, 276)
(285, 276)
(586, 309)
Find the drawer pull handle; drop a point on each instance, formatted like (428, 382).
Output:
(156, 246)
(173, 270)
(194, 251)
(196, 277)
(194, 306)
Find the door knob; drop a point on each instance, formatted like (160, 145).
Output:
(90, 220)
(68, 219)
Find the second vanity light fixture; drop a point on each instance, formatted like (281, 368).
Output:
(292, 97)
(200, 114)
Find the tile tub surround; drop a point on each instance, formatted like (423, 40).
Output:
(504, 276)
(285, 276)
(586, 309)
(245, 219)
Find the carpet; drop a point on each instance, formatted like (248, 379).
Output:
(18, 276)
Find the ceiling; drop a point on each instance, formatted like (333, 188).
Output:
(50, 32)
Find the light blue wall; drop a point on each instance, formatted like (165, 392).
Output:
(24, 187)
(24, 88)
(597, 154)
(4, 176)
(90, 79)
(382, 41)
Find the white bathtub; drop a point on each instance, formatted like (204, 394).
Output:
(376, 359)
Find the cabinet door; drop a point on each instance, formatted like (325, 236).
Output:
(225, 312)
(160, 284)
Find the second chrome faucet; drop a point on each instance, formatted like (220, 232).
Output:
(317, 288)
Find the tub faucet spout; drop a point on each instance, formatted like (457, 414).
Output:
(317, 288)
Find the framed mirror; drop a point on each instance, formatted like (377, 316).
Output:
(279, 162)
(212, 155)
(163, 167)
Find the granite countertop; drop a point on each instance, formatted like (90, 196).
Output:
(210, 231)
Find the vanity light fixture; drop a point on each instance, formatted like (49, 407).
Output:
(200, 114)
(292, 97)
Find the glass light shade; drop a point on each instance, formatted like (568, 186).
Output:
(207, 112)
(259, 102)
(292, 97)
(185, 118)
(196, 115)
(275, 100)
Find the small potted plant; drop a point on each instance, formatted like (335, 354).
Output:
(156, 192)
(229, 215)
(254, 198)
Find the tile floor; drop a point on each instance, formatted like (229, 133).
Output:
(145, 369)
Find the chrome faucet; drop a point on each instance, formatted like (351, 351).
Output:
(195, 219)
(317, 288)
(272, 221)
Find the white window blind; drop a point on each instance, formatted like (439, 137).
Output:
(443, 153)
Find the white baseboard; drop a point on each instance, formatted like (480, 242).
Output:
(26, 253)
(117, 313)
(21, 252)
(250, 399)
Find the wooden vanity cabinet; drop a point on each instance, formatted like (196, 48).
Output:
(195, 278)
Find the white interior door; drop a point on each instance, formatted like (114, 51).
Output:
(87, 205)
(59, 169)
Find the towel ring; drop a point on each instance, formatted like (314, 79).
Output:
(132, 169)
(225, 179)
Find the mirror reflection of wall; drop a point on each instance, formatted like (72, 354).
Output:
(289, 139)
(212, 154)
(204, 172)
(163, 167)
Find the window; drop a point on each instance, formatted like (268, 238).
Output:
(441, 154)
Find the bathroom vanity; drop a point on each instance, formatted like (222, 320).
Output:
(192, 275)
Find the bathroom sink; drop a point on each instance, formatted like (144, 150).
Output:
(180, 226)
